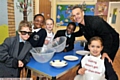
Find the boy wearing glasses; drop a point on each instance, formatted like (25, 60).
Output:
(39, 34)
(14, 52)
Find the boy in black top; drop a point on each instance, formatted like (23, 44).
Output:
(70, 35)
(39, 34)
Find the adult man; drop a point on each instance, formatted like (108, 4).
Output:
(91, 26)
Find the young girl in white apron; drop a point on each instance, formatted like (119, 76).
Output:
(92, 66)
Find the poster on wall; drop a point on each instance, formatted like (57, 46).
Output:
(101, 8)
(114, 15)
(64, 13)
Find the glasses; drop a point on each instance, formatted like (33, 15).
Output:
(25, 32)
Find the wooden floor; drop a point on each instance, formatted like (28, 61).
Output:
(116, 63)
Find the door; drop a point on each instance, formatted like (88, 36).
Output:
(45, 8)
(114, 15)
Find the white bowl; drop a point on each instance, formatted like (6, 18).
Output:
(42, 55)
(58, 43)
(82, 52)
(71, 58)
(58, 63)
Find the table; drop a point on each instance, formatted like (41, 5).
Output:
(51, 72)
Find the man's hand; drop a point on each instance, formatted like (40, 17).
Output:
(105, 55)
(81, 71)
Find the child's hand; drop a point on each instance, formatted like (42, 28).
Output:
(81, 71)
(57, 39)
(46, 42)
(20, 63)
(64, 50)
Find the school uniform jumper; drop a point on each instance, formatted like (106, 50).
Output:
(70, 39)
(37, 38)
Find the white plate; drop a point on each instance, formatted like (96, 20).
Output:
(82, 52)
(71, 58)
(58, 63)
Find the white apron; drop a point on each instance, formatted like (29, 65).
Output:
(95, 68)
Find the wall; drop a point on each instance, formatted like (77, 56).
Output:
(7, 21)
(114, 17)
(11, 17)
(54, 3)
(3, 20)
(3, 32)
(36, 6)
(3, 12)
(19, 15)
(75, 2)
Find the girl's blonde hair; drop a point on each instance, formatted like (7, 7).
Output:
(49, 19)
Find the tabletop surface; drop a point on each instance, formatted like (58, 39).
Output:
(47, 69)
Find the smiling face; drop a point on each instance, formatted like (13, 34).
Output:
(49, 25)
(24, 32)
(95, 47)
(70, 29)
(38, 22)
(78, 15)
